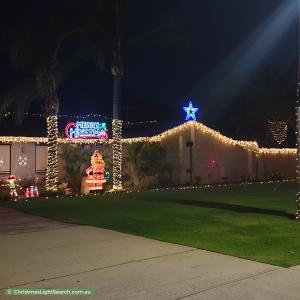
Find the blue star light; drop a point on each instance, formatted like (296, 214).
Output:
(190, 111)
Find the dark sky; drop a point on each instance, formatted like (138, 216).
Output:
(241, 67)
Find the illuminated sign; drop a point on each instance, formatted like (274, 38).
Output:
(86, 130)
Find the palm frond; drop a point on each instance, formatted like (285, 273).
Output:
(19, 98)
(162, 36)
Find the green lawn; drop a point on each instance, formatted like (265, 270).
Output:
(254, 222)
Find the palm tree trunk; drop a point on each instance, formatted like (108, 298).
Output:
(117, 129)
(51, 109)
(52, 162)
(117, 94)
(117, 73)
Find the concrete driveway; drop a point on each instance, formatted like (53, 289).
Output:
(40, 253)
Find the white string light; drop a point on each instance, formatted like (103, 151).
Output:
(249, 145)
(278, 130)
(117, 141)
(52, 165)
(117, 154)
(278, 151)
(88, 116)
(180, 188)
(44, 140)
(22, 160)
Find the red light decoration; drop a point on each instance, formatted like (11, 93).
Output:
(96, 172)
(213, 163)
(31, 192)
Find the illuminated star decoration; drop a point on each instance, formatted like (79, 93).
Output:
(190, 111)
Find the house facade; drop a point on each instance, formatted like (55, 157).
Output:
(193, 151)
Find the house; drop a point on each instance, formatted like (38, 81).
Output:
(214, 157)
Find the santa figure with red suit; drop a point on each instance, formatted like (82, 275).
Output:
(95, 173)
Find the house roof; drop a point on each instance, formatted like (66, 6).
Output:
(154, 134)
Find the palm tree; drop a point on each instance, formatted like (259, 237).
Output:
(108, 30)
(46, 75)
(42, 53)
(47, 57)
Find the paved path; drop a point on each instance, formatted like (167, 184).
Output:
(40, 253)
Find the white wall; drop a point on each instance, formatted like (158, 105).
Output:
(41, 158)
(4, 159)
(23, 160)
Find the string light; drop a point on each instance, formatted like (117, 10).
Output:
(52, 165)
(278, 130)
(278, 151)
(117, 141)
(44, 140)
(140, 122)
(179, 188)
(84, 141)
(22, 159)
(88, 116)
(22, 140)
(248, 145)
(7, 114)
(117, 154)
(136, 140)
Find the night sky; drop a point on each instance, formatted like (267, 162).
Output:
(239, 68)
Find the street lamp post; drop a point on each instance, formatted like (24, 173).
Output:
(190, 145)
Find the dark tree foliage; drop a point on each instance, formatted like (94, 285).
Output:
(252, 110)
(148, 161)
(75, 160)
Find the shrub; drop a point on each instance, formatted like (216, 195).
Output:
(148, 166)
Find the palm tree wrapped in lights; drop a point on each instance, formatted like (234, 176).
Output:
(48, 57)
(47, 72)
(108, 30)
(51, 109)
(117, 73)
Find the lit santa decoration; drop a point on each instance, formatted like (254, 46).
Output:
(96, 175)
